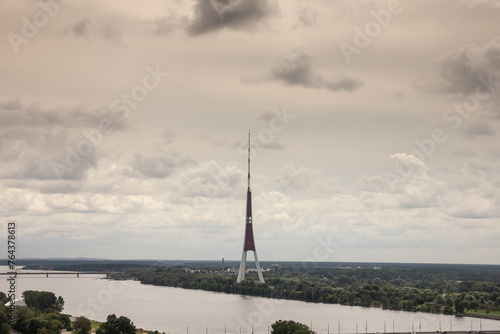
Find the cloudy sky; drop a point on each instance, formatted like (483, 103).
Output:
(375, 128)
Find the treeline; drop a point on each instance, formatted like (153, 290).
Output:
(448, 292)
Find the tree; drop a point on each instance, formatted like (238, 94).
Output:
(45, 301)
(35, 324)
(459, 306)
(23, 317)
(4, 321)
(473, 305)
(5, 328)
(3, 298)
(290, 327)
(448, 310)
(57, 320)
(343, 280)
(82, 325)
(59, 304)
(32, 321)
(440, 300)
(114, 325)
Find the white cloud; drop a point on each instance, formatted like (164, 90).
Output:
(211, 180)
(303, 180)
(297, 179)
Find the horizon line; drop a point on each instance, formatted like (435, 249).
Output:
(276, 261)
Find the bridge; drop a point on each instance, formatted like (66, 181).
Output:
(77, 273)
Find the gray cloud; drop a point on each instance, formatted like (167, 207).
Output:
(296, 69)
(44, 186)
(458, 72)
(396, 94)
(33, 139)
(258, 143)
(109, 29)
(81, 27)
(489, 4)
(273, 145)
(372, 184)
(10, 105)
(302, 180)
(298, 179)
(267, 114)
(159, 164)
(213, 15)
(306, 16)
(166, 25)
(469, 213)
(168, 136)
(421, 198)
(467, 151)
(210, 180)
(479, 127)
(353, 8)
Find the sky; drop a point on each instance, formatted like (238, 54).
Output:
(374, 129)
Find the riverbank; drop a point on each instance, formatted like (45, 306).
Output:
(391, 289)
(96, 324)
(482, 314)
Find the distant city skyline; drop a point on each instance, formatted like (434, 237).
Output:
(375, 129)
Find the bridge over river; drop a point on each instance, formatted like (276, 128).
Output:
(47, 273)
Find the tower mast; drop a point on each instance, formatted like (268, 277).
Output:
(248, 160)
(248, 242)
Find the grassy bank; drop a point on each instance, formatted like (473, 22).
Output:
(95, 325)
(483, 314)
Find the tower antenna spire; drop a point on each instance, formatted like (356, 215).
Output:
(248, 159)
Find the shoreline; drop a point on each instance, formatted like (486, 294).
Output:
(479, 316)
(98, 323)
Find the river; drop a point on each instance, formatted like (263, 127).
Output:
(176, 311)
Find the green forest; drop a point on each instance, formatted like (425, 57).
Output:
(448, 291)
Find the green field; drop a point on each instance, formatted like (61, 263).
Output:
(493, 314)
(95, 325)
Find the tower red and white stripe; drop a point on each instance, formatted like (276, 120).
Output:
(249, 243)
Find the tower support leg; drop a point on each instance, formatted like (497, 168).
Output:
(259, 271)
(243, 267)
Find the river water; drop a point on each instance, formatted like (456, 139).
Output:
(176, 311)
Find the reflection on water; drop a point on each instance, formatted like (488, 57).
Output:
(175, 310)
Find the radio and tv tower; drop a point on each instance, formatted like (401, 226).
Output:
(249, 243)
